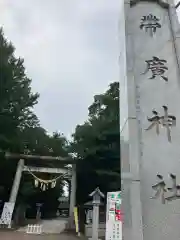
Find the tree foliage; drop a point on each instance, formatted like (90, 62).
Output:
(16, 97)
(20, 127)
(97, 145)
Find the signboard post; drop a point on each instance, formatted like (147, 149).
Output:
(114, 216)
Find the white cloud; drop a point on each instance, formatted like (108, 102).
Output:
(70, 49)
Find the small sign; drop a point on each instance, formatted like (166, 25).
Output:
(7, 213)
(113, 216)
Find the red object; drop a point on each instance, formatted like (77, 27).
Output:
(118, 215)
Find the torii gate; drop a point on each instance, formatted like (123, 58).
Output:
(9, 206)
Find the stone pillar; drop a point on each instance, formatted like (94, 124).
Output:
(72, 197)
(150, 93)
(8, 209)
(16, 182)
(129, 131)
(95, 222)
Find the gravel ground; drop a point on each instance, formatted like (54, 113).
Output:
(24, 236)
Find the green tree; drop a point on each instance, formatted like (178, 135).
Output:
(16, 107)
(16, 97)
(36, 141)
(20, 127)
(97, 145)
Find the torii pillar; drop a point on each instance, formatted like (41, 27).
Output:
(72, 197)
(16, 182)
(149, 118)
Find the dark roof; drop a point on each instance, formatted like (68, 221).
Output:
(63, 199)
(64, 205)
(90, 203)
(96, 191)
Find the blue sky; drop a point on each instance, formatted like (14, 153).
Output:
(71, 50)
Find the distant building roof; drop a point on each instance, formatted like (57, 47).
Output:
(63, 205)
(63, 199)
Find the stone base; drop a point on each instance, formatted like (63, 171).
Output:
(92, 239)
(101, 230)
(70, 224)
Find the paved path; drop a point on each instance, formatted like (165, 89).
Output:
(53, 226)
(22, 236)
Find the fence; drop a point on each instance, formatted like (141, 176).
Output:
(34, 229)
